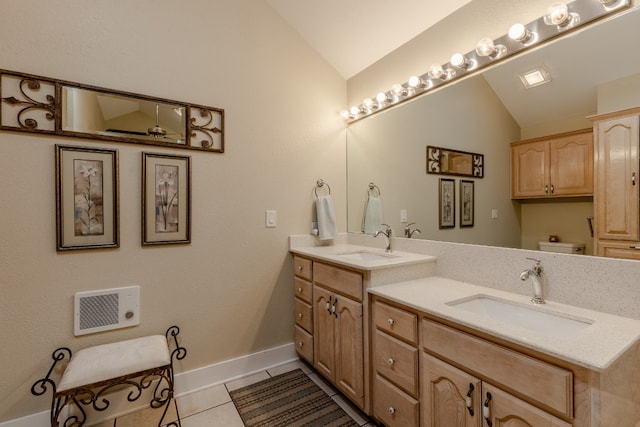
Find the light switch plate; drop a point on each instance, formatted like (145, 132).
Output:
(270, 219)
(403, 215)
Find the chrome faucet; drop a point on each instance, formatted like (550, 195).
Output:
(387, 235)
(408, 232)
(535, 273)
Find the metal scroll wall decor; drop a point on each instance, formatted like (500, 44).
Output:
(43, 105)
(443, 161)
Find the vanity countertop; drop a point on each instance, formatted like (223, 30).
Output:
(339, 254)
(596, 347)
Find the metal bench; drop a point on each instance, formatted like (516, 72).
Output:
(94, 372)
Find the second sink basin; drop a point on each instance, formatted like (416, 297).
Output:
(546, 323)
(367, 255)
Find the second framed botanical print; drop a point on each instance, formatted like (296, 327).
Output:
(447, 203)
(166, 199)
(467, 202)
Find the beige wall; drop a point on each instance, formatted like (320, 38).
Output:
(229, 290)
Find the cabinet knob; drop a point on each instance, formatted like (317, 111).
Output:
(392, 410)
(300, 315)
(299, 268)
(552, 189)
(300, 290)
(300, 344)
(391, 322)
(391, 361)
(633, 178)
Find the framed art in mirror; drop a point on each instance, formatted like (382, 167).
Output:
(86, 198)
(467, 203)
(166, 199)
(447, 203)
(443, 161)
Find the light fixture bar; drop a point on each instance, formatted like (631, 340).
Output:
(518, 39)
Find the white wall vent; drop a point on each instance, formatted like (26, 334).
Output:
(106, 309)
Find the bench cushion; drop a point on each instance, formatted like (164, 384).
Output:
(107, 361)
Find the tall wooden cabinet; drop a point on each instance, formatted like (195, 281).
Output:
(616, 198)
(553, 166)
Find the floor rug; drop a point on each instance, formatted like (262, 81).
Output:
(289, 399)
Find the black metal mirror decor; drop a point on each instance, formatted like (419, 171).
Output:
(36, 104)
(442, 161)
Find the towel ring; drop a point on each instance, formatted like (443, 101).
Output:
(373, 187)
(319, 184)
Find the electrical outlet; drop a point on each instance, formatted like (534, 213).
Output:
(494, 213)
(403, 215)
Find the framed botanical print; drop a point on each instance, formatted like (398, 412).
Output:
(166, 199)
(87, 212)
(447, 203)
(467, 202)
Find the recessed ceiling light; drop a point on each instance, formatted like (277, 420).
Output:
(536, 77)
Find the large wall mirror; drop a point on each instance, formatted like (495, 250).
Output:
(484, 114)
(43, 105)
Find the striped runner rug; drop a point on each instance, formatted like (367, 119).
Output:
(289, 399)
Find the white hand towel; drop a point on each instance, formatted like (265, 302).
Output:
(372, 220)
(327, 227)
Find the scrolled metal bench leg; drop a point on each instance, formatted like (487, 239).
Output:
(178, 353)
(41, 386)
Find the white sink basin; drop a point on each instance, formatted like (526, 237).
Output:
(533, 318)
(367, 256)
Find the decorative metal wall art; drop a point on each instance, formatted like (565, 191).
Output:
(443, 161)
(36, 104)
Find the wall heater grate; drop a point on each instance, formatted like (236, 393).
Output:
(106, 309)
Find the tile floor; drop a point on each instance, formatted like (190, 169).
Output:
(212, 407)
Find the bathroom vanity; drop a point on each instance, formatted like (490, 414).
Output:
(414, 349)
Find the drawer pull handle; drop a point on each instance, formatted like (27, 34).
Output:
(391, 361)
(552, 189)
(633, 178)
(300, 290)
(469, 399)
(333, 308)
(300, 344)
(328, 305)
(300, 315)
(634, 247)
(392, 410)
(391, 322)
(546, 189)
(299, 268)
(485, 410)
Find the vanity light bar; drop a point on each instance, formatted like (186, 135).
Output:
(559, 18)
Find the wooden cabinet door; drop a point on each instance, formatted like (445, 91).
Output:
(323, 333)
(571, 165)
(616, 196)
(501, 409)
(446, 392)
(349, 368)
(529, 170)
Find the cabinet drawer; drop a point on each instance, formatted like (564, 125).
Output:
(542, 382)
(304, 343)
(397, 362)
(625, 250)
(303, 289)
(395, 321)
(302, 267)
(344, 282)
(303, 314)
(392, 406)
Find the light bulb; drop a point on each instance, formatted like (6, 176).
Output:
(381, 97)
(368, 103)
(485, 47)
(519, 33)
(436, 72)
(458, 60)
(355, 111)
(558, 14)
(345, 114)
(415, 81)
(398, 90)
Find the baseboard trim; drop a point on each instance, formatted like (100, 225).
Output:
(196, 379)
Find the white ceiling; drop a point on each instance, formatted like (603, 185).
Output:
(353, 34)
